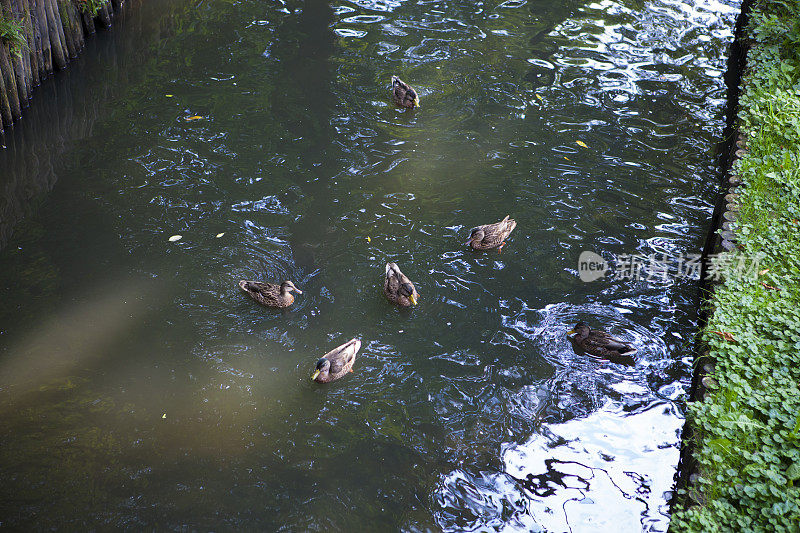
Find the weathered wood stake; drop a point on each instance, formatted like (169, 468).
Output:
(44, 32)
(59, 59)
(23, 59)
(5, 106)
(30, 37)
(10, 83)
(59, 20)
(104, 16)
(15, 60)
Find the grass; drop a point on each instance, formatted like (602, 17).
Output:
(11, 32)
(748, 429)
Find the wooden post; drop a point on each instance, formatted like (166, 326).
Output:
(16, 60)
(33, 56)
(25, 58)
(60, 27)
(44, 34)
(10, 82)
(88, 23)
(5, 106)
(65, 28)
(59, 58)
(105, 16)
(36, 50)
(38, 39)
(77, 25)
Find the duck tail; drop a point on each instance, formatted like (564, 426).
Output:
(392, 269)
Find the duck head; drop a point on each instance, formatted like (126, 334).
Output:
(407, 290)
(581, 330)
(322, 369)
(287, 286)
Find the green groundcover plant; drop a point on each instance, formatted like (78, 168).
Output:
(90, 6)
(11, 34)
(748, 429)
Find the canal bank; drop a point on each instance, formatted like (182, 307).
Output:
(38, 37)
(741, 457)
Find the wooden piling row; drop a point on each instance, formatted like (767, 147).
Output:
(54, 32)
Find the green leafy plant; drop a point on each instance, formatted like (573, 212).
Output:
(90, 6)
(747, 431)
(12, 33)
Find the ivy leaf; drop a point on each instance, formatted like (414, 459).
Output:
(793, 472)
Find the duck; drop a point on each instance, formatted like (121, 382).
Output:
(270, 294)
(491, 236)
(398, 288)
(601, 344)
(337, 362)
(403, 94)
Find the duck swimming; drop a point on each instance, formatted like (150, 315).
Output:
(403, 94)
(398, 288)
(337, 362)
(600, 344)
(270, 294)
(491, 236)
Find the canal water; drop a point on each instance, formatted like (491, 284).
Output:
(140, 388)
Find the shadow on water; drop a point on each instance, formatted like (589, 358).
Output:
(141, 389)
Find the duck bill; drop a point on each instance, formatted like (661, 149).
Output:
(314, 375)
(468, 242)
(413, 299)
(570, 332)
(298, 291)
(416, 101)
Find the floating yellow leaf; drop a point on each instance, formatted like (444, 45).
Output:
(195, 117)
(175, 238)
(567, 158)
(762, 272)
(220, 234)
(169, 96)
(539, 97)
(368, 239)
(581, 143)
(164, 415)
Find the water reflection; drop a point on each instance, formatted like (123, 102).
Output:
(471, 411)
(580, 475)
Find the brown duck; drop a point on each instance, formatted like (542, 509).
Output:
(270, 294)
(403, 94)
(398, 288)
(601, 344)
(491, 236)
(337, 362)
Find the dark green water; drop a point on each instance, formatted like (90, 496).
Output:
(140, 388)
